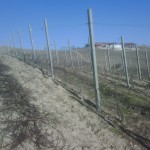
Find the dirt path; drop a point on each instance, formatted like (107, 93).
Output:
(81, 129)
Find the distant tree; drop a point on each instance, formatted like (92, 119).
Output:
(86, 45)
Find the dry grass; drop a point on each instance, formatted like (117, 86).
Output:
(23, 122)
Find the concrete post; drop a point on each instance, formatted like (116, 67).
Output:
(108, 57)
(66, 61)
(77, 58)
(57, 58)
(125, 62)
(11, 52)
(32, 43)
(90, 54)
(94, 62)
(48, 48)
(21, 45)
(147, 64)
(14, 44)
(70, 54)
(138, 63)
(106, 64)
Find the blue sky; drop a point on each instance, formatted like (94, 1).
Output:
(67, 19)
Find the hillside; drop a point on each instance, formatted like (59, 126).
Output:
(30, 100)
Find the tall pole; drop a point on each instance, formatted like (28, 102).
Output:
(13, 40)
(11, 52)
(138, 63)
(14, 45)
(130, 67)
(57, 58)
(8, 47)
(130, 64)
(77, 57)
(94, 62)
(66, 58)
(147, 64)
(106, 64)
(125, 62)
(108, 57)
(48, 46)
(81, 61)
(70, 50)
(90, 54)
(32, 43)
(20, 40)
(123, 65)
(114, 65)
(21, 45)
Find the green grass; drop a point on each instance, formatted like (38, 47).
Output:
(124, 96)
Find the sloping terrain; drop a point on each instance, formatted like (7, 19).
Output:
(44, 115)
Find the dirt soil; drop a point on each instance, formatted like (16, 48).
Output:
(80, 128)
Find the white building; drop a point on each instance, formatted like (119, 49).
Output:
(117, 46)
